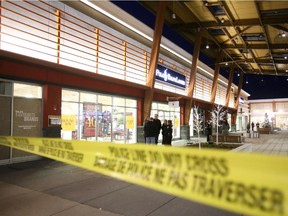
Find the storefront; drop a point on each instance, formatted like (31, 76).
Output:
(21, 115)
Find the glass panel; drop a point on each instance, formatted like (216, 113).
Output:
(118, 101)
(104, 123)
(5, 119)
(87, 97)
(68, 95)
(105, 100)
(154, 105)
(118, 126)
(131, 103)
(70, 120)
(5, 88)
(163, 106)
(88, 117)
(131, 123)
(175, 117)
(26, 121)
(28, 91)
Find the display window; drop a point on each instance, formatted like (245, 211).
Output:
(98, 117)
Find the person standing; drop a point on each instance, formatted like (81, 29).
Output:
(208, 131)
(252, 126)
(169, 132)
(164, 132)
(157, 123)
(150, 131)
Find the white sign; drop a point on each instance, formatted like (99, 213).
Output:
(173, 104)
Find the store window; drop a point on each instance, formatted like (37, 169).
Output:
(98, 117)
(27, 91)
(21, 114)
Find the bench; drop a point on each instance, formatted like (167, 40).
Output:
(229, 138)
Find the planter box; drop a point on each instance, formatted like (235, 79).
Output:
(228, 138)
(264, 130)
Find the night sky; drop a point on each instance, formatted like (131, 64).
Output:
(258, 86)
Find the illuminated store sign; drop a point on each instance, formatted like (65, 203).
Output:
(167, 75)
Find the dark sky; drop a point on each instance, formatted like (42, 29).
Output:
(258, 86)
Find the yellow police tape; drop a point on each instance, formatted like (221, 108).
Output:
(245, 183)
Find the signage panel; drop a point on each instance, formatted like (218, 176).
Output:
(167, 75)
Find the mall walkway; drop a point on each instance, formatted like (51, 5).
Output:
(47, 187)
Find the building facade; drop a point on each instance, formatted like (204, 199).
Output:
(66, 74)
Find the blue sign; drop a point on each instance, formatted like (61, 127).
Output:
(167, 75)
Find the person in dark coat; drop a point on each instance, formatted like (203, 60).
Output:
(208, 131)
(150, 131)
(169, 132)
(252, 126)
(158, 127)
(164, 132)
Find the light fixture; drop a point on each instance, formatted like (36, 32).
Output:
(207, 46)
(226, 63)
(285, 57)
(222, 20)
(282, 34)
(173, 14)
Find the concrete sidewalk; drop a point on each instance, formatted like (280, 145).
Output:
(46, 187)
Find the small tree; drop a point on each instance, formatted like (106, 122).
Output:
(197, 122)
(218, 114)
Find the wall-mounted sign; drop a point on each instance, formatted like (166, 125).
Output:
(241, 100)
(167, 75)
(54, 120)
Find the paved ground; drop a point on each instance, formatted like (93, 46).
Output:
(46, 187)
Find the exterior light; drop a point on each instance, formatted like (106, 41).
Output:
(173, 16)
(222, 20)
(207, 46)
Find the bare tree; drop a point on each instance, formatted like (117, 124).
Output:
(197, 122)
(218, 114)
